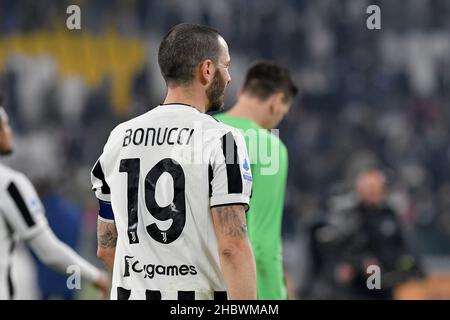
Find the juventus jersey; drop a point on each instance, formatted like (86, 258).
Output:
(21, 218)
(162, 172)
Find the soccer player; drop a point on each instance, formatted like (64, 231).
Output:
(172, 185)
(263, 101)
(22, 217)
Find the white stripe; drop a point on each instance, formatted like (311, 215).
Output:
(105, 220)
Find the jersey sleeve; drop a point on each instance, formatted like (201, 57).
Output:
(99, 184)
(23, 208)
(230, 174)
(101, 187)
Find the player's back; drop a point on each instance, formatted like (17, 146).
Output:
(159, 169)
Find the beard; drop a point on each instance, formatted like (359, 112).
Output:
(215, 93)
(6, 152)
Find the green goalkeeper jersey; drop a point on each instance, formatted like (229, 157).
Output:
(269, 163)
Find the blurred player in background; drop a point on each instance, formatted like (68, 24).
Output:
(169, 227)
(22, 217)
(264, 100)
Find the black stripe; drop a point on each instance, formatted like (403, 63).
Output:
(20, 203)
(210, 177)
(152, 295)
(11, 290)
(98, 173)
(220, 295)
(232, 164)
(246, 206)
(123, 294)
(186, 295)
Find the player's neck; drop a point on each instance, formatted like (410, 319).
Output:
(186, 95)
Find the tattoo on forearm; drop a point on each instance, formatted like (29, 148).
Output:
(231, 222)
(107, 235)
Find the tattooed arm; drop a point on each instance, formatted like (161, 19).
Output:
(235, 252)
(106, 243)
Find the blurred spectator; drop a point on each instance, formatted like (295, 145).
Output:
(368, 233)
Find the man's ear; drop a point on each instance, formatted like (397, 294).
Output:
(279, 97)
(272, 102)
(275, 100)
(206, 71)
(272, 107)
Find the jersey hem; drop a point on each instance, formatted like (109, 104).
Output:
(106, 220)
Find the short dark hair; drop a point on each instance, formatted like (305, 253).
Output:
(183, 48)
(266, 78)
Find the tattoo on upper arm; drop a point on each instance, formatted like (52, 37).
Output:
(107, 235)
(231, 222)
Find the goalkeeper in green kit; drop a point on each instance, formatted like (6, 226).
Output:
(263, 101)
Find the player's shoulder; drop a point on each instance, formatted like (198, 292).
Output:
(128, 123)
(8, 175)
(118, 131)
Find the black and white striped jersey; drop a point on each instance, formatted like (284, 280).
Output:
(21, 218)
(161, 173)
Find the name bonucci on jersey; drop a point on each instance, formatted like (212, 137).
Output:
(162, 172)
